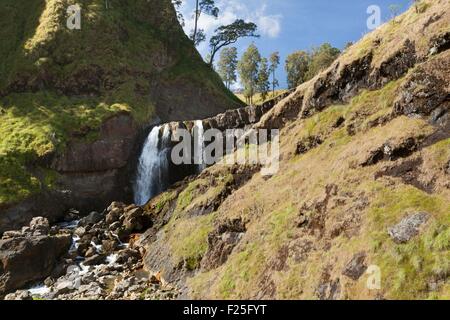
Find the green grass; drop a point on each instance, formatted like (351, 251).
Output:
(407, 268)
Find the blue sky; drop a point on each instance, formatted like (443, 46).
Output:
(290, 25)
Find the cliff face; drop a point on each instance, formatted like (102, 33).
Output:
(362, 192)
(74, 104)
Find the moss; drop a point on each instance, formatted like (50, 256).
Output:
(189, 239)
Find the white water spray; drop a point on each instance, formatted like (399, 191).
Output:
(153, 167)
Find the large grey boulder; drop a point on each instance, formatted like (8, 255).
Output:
(408, 228)
(29, 258)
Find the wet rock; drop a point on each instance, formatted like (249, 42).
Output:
(356, 267)
(90, 252)
(408, 228)
(95, 260)
(91, 219)
(18, 254)
(39, 226)
(109, 246)
(80, 231)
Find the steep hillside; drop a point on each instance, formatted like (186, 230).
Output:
(363, 185)
(72, 102)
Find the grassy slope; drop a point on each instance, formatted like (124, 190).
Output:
(356, 219)
(50, 77)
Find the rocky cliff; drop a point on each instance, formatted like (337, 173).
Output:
(359, 208)
(75, 104)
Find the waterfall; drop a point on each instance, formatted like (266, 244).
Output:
(199, 145)
(153, 166)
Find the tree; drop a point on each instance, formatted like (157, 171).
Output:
(297, 65)
(177, 4)
(227, 66)
(321, 58)
(207, 7)
(263, 82)
(248, 68)
(274, 63)
(229, 34)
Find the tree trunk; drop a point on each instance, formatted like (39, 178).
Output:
(196, 22)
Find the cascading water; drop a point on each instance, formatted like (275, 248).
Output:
(199, 145)
(153, 166)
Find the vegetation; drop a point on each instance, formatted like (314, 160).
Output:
(274, 63)
(248, 68)
(303, 65)
(227, 66)
(263, 82)
(229, 34)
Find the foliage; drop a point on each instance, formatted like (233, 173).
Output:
(263, 82)
(296, 66)
(229, 34)
(248, 68)
(274, 63)
(227, 65)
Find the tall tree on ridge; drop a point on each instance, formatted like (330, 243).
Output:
(263, 81)
(227, 66)
(248, 68)
(229, 34)
(207, 7)
(274, 63)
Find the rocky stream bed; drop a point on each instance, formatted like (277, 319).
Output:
(94, 257)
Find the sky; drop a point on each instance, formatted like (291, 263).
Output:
(290, 25)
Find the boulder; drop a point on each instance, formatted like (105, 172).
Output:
(95, 260)
(27, 259)
(408, 228)
(356, 267)
(91, 219)
(39, 226)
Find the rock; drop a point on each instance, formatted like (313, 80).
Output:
(116, 205)
(91, 219)
(11, 234)
(114, 226)
(90, 252)
(221, 243)
(125, 255)
(135, 219)
(113, 216)
(408, 228)
(39, 226)
(80, 231)
(64, 287)
(356, 267)
(109, 246)
(19, 295)
(95, 260)
(18, 254)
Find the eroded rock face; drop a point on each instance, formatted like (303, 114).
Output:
(29, 258)
(426, 90)
(221, 243)
(356, 267)
(408, 228)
